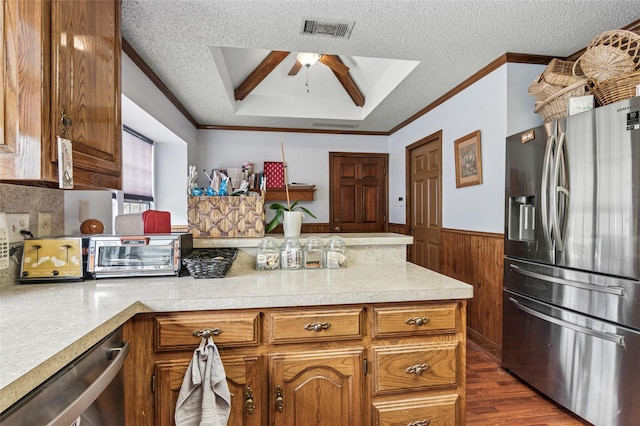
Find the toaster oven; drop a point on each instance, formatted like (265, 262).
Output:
(137, 255)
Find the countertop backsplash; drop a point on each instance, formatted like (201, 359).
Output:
(29, 199)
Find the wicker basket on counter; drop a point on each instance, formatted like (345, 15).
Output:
(610, 54)
(556, 107)
(210, 262)
(617, 88)
(226, 216)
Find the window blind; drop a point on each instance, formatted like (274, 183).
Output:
(137, 166)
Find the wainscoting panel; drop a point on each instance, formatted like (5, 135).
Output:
(477, 258)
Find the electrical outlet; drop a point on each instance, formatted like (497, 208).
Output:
(17, 222)
(44, 224)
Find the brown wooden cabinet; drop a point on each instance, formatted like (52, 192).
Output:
(61, 61)
(381, 364)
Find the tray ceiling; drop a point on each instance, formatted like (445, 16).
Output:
(401, 55)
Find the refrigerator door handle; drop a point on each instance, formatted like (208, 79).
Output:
(556, 221)
(618, 291)
(544, 190)
(611, 337)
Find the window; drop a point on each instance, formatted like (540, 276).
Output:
(137, 171)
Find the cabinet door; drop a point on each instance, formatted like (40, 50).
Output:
(24, 111)
(86, 50)
(245, 385)
(319, 388)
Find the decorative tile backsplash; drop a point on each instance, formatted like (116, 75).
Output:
(30, 199)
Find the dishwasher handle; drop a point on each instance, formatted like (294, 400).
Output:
(95, 389)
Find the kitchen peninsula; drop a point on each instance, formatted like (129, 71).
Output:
(45, 326)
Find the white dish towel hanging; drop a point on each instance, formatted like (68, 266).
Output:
(204, 398)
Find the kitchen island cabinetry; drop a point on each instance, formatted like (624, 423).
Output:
(61, 79)
(346, 364)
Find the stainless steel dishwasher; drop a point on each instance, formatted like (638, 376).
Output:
(88, 391)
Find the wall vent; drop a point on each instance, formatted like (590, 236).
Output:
(326, 28)
(335, 125)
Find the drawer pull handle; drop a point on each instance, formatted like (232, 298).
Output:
(424, 422)
(318, 326)
(417, 369)
(249, 404)
(279, 399)
(207, 332)
(419, 321)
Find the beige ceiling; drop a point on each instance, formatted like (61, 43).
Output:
(202, 50)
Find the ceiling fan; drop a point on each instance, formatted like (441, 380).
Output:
(332, 61)
(274, 58)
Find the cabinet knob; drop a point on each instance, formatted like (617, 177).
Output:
(419, 321)
(208, 332)
(417, 369)
(279, 399)
(337, 229)
(249, 404)
(424, 422)
(318, 326)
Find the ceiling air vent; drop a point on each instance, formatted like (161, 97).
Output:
(326, 28)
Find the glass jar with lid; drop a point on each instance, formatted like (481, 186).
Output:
(313, 253)
(290, 254)
(335, 253)
(268, 256)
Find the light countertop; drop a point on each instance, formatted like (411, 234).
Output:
(43, 327)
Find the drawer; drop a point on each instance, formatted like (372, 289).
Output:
(315, 325)
(415, 320)
(230, 329)
(414, 367)
(437, 410)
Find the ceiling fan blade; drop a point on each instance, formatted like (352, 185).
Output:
(295, 68)
(334, 62)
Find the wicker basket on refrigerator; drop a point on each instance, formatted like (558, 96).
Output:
(610, 54)
(617, 88)
(556, 107)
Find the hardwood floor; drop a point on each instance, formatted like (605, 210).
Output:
(496, 398)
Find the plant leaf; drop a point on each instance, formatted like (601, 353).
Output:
(274, 222)
(307, 212)
(278, 206)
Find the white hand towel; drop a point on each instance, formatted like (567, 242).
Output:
(204, 398)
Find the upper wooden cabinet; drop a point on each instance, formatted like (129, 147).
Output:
(61, 60)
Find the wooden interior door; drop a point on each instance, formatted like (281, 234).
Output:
(424, 204)
(358, 192)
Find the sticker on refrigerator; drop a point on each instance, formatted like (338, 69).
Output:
(633, 120)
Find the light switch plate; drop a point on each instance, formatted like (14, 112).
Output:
(17, 222)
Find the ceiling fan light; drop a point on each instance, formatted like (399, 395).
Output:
(307, 59)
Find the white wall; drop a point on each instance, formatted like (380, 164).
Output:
(307, 156)
(146, 110)
(488, 106)
(99, 208)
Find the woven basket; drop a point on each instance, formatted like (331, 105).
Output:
(610, 54)
(210, 263)
(541, 90)
(556, 106)
(226, 216)
(617, 88)
(562, 73)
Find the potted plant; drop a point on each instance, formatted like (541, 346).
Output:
(290, 216)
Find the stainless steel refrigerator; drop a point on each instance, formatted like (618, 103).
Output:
(572, 262)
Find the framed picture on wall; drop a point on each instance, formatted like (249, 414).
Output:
(468, 160)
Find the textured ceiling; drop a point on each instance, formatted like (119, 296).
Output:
(452, 40)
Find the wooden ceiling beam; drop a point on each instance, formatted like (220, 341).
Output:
(335, 63)
(269, 63)
(349, 85)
